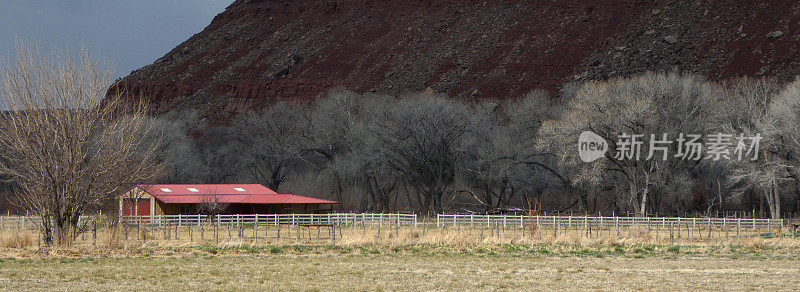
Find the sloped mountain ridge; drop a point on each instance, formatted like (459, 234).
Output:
(256, 52)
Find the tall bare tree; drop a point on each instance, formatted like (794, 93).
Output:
(270, 143)
(664, 103)
(63, 142)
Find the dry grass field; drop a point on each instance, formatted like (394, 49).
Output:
(404, 258)
(377, 269)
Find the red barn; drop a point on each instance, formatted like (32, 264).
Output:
(147, 200)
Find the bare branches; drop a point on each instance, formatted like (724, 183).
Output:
(63, 142)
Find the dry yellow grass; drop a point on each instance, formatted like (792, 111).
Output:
(398, 271)
(404, 258)
(115, 238)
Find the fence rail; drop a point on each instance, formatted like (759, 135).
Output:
(592, 221)
(275, 219)
(34, 221)
(411, 219)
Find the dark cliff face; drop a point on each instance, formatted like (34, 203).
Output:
(258, 51)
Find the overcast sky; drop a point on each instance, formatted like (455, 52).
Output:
(130, 33)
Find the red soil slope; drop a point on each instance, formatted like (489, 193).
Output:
(258, 51)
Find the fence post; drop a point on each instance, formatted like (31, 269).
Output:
(437, 220)
(569, 221)
(738, 226)
(255, 230)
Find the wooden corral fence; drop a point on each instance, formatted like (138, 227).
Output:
(507, 221)
(276, 219)
(28, 222)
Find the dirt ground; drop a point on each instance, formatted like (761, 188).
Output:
(373, 269)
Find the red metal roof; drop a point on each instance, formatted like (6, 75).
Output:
(225, 193)
(207, 189)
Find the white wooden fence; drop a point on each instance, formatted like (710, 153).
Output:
(23, 222)
(592, 221)
(409, 219)
(275, 219)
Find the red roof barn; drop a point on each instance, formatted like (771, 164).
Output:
(216, 198)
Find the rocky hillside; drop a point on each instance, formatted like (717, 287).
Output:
(258, 51)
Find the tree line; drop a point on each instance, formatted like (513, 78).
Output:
(425, 152)
(67, 148)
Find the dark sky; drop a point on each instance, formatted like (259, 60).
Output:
(130, 33)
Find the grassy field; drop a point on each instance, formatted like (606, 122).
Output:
(416, 267)
(405, 258)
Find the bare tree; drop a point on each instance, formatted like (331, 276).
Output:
(270, 143)
(757, 106)
(212, 205)
(421, 138)
(64, 143)
(648, 104)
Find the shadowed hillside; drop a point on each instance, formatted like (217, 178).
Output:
(257, 51)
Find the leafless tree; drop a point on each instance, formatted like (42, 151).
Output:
(758, 106)
(64, 143)
(212, 205)
(270, 143)
(421, 138)
(648, 104)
